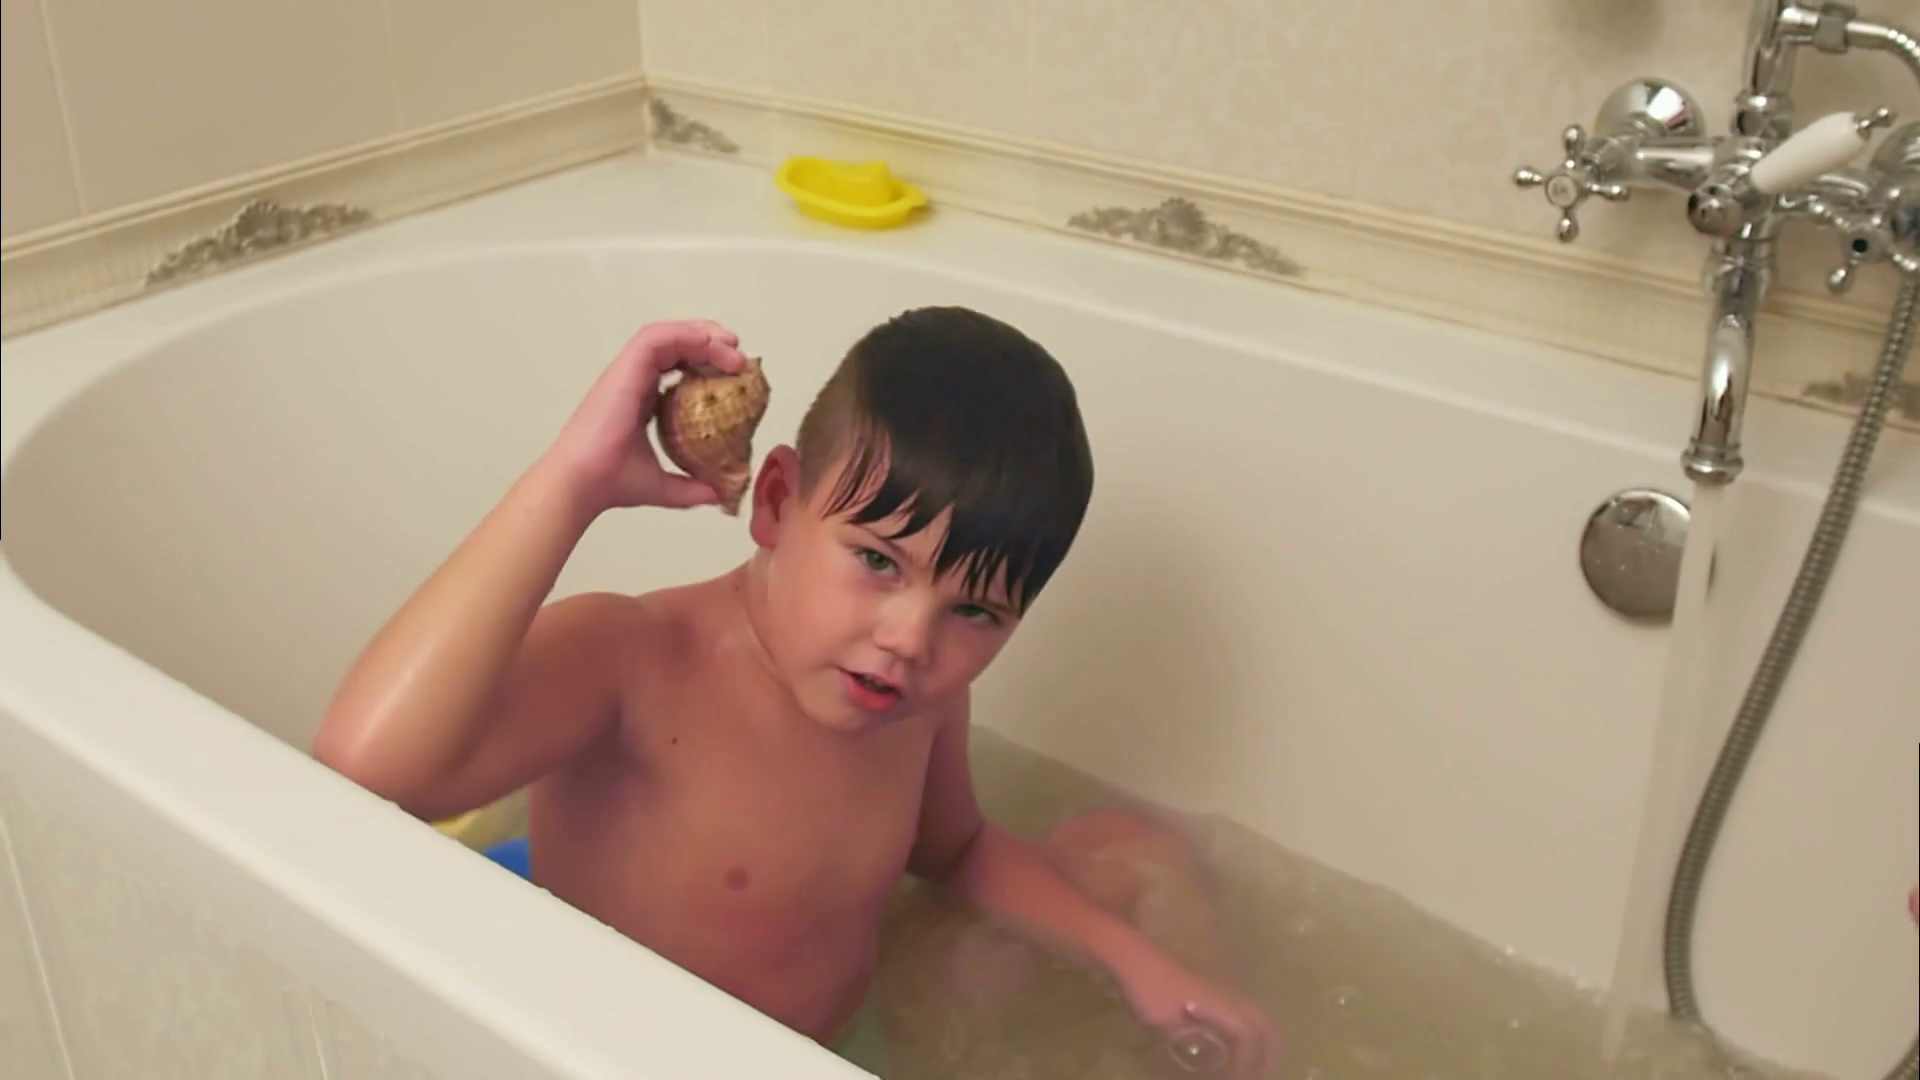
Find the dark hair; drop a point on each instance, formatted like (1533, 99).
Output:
(960, 410)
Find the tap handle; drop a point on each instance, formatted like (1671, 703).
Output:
(1824, 145)
(1867, 245)
(1570, 185)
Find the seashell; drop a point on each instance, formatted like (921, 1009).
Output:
(706, 425)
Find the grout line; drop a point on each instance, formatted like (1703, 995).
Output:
(640, 27)
(66, 114)
(1038, 184)
(312, 1007)
(12, 865)
(393, 65)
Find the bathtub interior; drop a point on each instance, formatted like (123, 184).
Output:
(1341, 612)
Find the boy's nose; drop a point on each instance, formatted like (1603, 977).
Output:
(905, 629)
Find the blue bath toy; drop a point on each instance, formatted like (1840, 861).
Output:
(513, 854)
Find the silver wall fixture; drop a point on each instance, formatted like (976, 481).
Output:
(1630, 552)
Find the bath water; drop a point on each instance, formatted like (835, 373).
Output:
(1361, 983)
(1675, 779)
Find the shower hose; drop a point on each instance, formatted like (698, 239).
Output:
(1816, 567)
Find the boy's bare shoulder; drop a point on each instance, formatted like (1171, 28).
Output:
(664, 624)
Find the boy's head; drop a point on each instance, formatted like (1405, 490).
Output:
(940, 478)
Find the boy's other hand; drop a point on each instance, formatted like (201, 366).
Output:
(1171, 998)
(604, 449)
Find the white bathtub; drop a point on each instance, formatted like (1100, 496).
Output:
(1328, 587)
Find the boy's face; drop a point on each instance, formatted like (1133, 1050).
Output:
(856, 624)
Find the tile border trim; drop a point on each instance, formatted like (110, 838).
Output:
(76, 267)
(1487, 279)
(261, 227)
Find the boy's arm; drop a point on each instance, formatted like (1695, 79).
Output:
(1006, 877)
(998, 872)
(473, 688)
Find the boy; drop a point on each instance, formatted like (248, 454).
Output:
(784, 741)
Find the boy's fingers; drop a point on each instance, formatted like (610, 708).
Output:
(698, 344)
(720, 333)
(681, 493)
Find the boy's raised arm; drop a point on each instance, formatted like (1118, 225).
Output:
(473, 688)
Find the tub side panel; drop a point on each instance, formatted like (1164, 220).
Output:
(163, 960)
(29, 1039)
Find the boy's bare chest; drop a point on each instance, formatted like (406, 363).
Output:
(759, 868)
(795, 820)
(760, 820)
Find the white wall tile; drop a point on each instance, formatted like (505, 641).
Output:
(164, 95)
(716, 40)
(968, 64)
(36, 171)
(1251, 88)
(453, 58)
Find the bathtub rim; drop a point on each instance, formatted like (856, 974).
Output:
(1789, 445)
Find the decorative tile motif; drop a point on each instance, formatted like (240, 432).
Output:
(261, 226)
(671, 127)
(1179, 225)
(1851, 389)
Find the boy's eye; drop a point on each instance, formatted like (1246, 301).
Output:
(874, 560)
(975, 613)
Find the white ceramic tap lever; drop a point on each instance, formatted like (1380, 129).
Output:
(1824, 145)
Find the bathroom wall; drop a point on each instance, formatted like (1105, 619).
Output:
(113, 103)
(1370, 144)
(1366, 150)
(1409, 105)
(1395, 103)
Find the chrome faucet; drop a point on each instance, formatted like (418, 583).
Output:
(1650, 133)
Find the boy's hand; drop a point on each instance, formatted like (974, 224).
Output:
(604, 448)
(1169, 997)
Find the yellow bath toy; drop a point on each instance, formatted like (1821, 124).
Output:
(864, 196)
(488, 825)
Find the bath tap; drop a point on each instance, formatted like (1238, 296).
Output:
(1741, 186)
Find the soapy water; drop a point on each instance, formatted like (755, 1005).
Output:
(1360, 983)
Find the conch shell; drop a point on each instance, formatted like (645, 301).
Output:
(706, 425)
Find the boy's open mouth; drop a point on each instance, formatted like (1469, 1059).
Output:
(869, 692)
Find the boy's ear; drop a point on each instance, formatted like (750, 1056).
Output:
(776, 495)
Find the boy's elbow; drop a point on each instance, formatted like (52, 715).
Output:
(350, 750)
(341, 747)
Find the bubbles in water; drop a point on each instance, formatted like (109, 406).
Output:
(1199, 1049)
(1359, 982)
(1375, 1059)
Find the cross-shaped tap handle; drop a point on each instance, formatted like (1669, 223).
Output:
(1570, 185)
